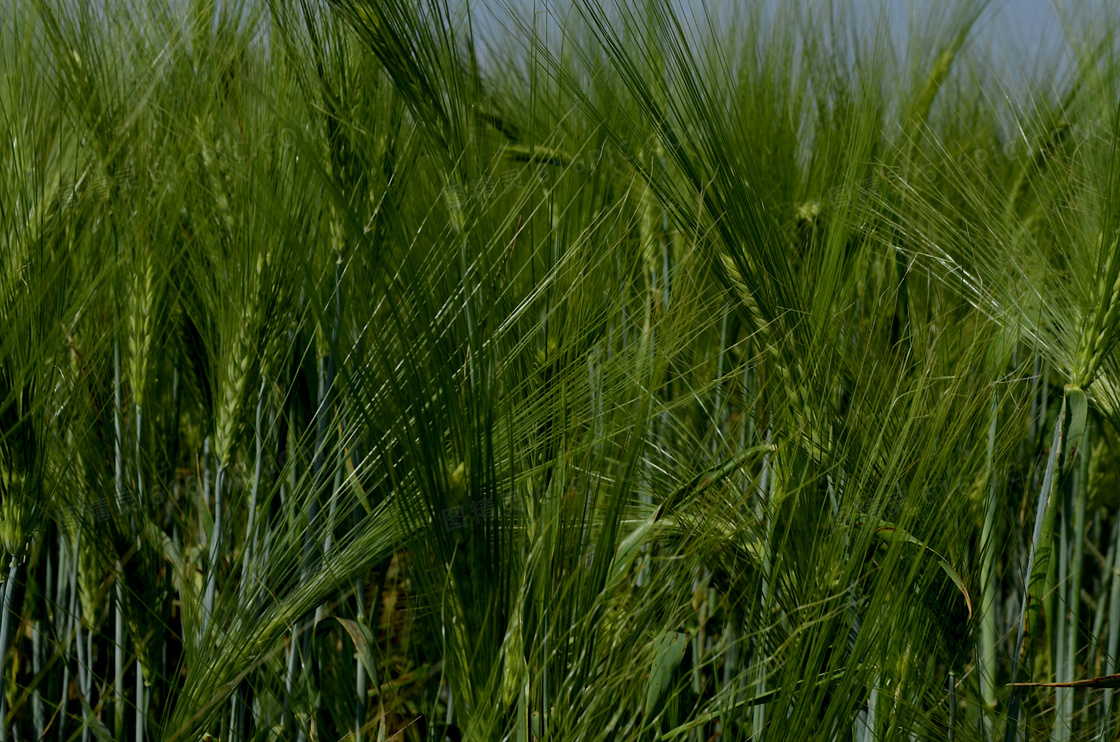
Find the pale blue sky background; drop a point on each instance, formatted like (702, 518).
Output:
(1017, 34)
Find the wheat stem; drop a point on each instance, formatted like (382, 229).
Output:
(68, 624)
(5, 634)
(215, 552)
(1044, 505)
(988, 660)
(1113, 629)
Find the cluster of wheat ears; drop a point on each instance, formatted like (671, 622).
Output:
(624, 371)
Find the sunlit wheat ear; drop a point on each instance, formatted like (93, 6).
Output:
(14, 512)
(91, 579)
(140, 321)
(1100, 321)
(790, 375)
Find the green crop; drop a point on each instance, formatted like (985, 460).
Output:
(372, 370)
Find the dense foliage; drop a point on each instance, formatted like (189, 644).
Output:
(631, 375)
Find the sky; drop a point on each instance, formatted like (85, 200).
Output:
(1016, 34)
(1016, 31)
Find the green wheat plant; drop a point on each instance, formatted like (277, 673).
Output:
(377, 370)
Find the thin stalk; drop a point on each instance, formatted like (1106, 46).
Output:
(118, 658)
(5, 632)
(141, 709)
(1035, 376)
(730, 655)
(952, 707)
(665, 267)
(1074, 602)
(84, 669)
(328, 540)
(140, 701)
(1092, 649)
(1044, 402)
(1113, 631)
(595, 365)
(374, 620)
(360, 670)
(118, 483)
(312, 521)
(89, 676)
(139, 474)
(698, 638)
(69, 621)
(1043, 506)
(251, 526)
(83, 675)
(545, 702)
(238, 715)
(988, 634)
(215, 552)
(289, 680)
(290, 672)
(206, 471)
(173, 452)
(322, 415)
(118, 472)
(759, 711)
(36, 665)
(49, 586)
(1050, 596)
(1060, 727)
(177, 406)
(719, 411)
(65, 692)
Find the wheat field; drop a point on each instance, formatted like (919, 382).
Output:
(633, 373)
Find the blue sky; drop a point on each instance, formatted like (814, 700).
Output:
(1016, 34)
